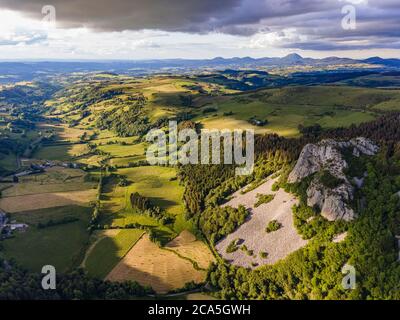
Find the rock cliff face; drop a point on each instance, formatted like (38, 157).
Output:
(327, 156)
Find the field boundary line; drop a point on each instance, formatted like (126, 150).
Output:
(89, 250)
(194, 263)
(127, 251)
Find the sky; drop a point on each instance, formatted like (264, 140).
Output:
(197, 29)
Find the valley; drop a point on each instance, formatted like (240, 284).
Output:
(74, 169)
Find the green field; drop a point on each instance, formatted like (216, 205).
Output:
(65, 152)
(286, 108)
(8, 162)
(55, 179)
(125, 161)
(156, 183)
(119, 150)
(61, 246)
(109, 250)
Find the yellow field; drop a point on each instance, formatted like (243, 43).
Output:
(47, 200)
(186, 245)
(150, 265)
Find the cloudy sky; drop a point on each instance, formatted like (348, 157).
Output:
(143, 29)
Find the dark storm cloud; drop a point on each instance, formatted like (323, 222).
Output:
(117, 15)
(318, 20)
(236, 16)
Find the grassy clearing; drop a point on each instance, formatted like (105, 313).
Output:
(61, 246)
(110, 250)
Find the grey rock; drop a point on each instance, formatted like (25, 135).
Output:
(315, 157)
(331, 202)
(327, 155)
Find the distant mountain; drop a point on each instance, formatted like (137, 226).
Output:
(293, 58)
(17, 71)
(384, 62)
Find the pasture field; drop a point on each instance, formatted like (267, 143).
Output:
(390, 105)
(109, 250)
(67, 152)
(103, 138)
(153, 266)
(33, 217)
(285, 109)
(118, 150)
(125, 161)
(63, 132)
(8, 161)
(156, 183)
(94, 160)
(54, 179)
(374, 80)
(188, 246)
(230, 123)
(47, 200)
(335, 96)
(61, 245)
(117, 212)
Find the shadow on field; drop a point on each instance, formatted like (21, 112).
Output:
(107, 264)
(162, 203)
(125, 272)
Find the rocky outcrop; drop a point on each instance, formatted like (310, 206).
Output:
(327, 155)
(331, 202)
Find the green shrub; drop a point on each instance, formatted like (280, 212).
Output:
(232, 247)
(273, 226)
(263, 198)
(246, 250)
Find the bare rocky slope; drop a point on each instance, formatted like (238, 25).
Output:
(327, 156)
(276, 245)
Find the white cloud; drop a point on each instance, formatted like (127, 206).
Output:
(355, 2)
(275, 39)
(24, 38)
(15, 29)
